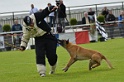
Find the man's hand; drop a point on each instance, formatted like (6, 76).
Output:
(22, 48)
(54, 8)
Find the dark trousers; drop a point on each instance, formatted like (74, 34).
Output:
(46, 47)
(61, 22)
(52, 21)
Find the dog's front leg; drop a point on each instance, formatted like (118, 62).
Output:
(71, 61)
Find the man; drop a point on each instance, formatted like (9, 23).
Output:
(91, 14)
(86, 19)
(45, 43)
(33, 9)
(16, 27)
(51, 17)
(105, 11)
(61, 14)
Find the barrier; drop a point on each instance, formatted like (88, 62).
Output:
(75, 35)
(10, 38)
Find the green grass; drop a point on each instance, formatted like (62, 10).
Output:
(16, 66)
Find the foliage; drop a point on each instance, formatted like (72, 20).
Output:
(16, 66)
(73, 21)
(6, 28)
(101, 18)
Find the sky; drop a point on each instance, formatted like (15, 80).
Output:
(24, 5)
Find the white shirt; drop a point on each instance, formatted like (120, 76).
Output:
(51, 14)
(34, 10)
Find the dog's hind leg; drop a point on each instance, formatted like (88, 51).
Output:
(92, 64)
(96, 64)
(96, 60)
(71, 61)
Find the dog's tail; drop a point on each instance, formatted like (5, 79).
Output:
(108, 62)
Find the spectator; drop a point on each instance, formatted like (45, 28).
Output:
(105, 11)
(16, 27)
(33, 9)
(109, 18)
(91, 14)
(86, 19)
(121, 25)
(40, 10)
(61, 15)
(51, 17)
(45, 43)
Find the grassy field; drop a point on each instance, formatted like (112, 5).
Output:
(16, 66)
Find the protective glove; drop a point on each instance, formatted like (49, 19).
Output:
(22, 48)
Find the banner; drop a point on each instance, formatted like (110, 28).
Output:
(2, 42)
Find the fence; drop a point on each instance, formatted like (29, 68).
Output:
(72, 12)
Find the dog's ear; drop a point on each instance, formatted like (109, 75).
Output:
(67, 41)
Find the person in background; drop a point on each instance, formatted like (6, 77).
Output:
(61, 14)
(16, 27)
(105, 11)
(40, 10)
(91, 14)
(51, 17)
(33, 9)
(121, 24)
(109, 18)
(86, 19)
(34, 26)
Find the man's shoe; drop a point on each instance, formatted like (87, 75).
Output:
(43, 75)
(52, 69)
(51, 72)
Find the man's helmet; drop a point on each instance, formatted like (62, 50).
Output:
(27, 20)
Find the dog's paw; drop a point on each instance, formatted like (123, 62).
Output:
(64, 69)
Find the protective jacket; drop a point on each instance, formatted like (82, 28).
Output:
(40, 26)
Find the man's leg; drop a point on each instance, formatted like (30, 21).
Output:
(40, 56)
(63, 24)
(51, 54)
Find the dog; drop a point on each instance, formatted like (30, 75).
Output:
(79, 53)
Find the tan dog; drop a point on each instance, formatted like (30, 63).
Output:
(78, 53)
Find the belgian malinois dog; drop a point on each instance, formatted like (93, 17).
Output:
(79, 53)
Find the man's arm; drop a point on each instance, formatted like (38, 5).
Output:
(41, 15)
(25, 39)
